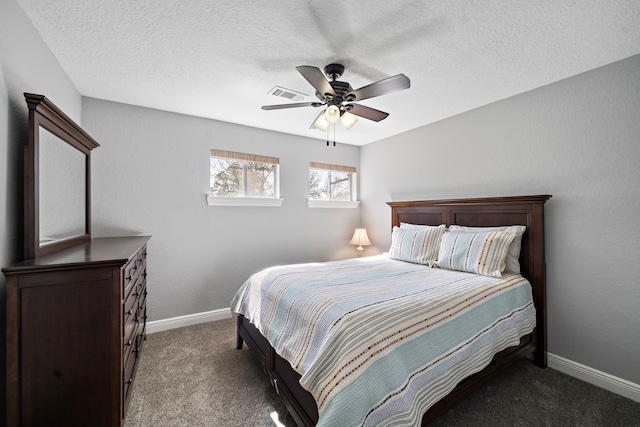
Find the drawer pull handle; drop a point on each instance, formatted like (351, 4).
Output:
(129, 277)
(137, 350)
(136, 293)
(135, 268)
(130, 311)
(128, 343)
(129, 381)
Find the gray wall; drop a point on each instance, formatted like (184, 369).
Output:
(150, 176)
(26, 65)
(578, 140)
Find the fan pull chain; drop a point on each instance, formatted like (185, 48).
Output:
(333, 125)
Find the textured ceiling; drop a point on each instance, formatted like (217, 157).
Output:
(218, 59)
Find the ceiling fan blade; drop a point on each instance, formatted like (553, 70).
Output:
(299, 104)
(366, 112)
(317, 79)
(378, 88)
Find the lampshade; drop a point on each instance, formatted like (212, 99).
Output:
(360, 238)
(321, 123)
(332, 114)
(348, 120)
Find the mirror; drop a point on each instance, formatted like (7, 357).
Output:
(62, 190)
(57, 180)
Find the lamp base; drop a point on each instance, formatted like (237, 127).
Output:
(359, 250)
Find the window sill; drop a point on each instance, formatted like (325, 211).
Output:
(244, 201)
(333, 204)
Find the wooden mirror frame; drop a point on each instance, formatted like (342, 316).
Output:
(44, 114)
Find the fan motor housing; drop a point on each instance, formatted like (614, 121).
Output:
(333, 72)
(340, 88)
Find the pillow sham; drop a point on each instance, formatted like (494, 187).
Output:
(419, 246)
(408, 226)
(512, 262)
(479, 253)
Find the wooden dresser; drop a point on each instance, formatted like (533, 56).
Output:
(76, 323)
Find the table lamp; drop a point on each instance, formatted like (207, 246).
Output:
(361, 239)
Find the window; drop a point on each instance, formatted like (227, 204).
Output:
(332, 185)
(243, 179)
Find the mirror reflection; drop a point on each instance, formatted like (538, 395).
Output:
(62, 170)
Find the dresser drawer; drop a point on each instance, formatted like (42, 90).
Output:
(142, 315)
(141, 336)
(135, 270)
(142, 299)
(129, 341)
(129, 308)
(128, 375)
(129, 278)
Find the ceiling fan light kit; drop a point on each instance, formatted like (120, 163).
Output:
(332, 114)
(339, 97)
(320, 123)
(348, 120)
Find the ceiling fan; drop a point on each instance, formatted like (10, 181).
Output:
(339, 97)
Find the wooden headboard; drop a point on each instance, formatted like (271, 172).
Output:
(494, 211)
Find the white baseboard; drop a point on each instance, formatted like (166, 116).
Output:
(593, 376)
(188, 320)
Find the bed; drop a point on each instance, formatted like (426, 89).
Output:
(428, 391)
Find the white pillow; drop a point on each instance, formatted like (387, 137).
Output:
(479, 253)
(419, 245)
(512, 263)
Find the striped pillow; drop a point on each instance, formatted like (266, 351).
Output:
(512, 262)
(479, 253)
(419, 245)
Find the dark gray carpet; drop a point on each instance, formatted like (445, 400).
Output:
(194, 376)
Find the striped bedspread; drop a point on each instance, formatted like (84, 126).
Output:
(378, 341)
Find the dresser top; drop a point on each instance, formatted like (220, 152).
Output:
(99, 251)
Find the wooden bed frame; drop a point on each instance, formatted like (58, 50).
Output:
(481, 212)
